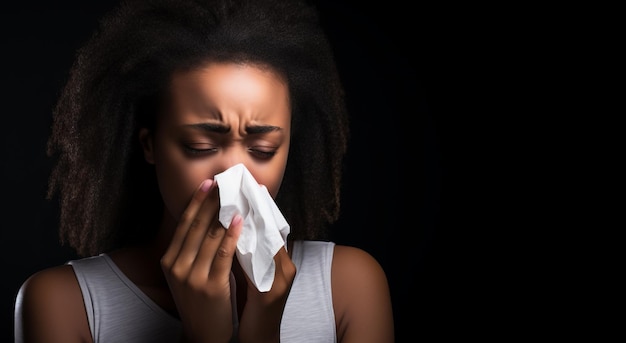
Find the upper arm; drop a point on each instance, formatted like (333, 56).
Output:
(361, 298)
(49, 308)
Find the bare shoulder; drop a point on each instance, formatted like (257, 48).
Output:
(49, 307)
(347, 256)
(361, 298)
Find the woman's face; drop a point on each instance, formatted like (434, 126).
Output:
(217, 116)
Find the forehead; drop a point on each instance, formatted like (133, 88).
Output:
(224, 77)
(223, 88)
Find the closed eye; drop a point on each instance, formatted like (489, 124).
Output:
(263, 154)
(199, 149)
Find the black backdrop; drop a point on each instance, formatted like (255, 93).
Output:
(412, 160)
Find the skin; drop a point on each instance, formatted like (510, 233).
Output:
(216, 116)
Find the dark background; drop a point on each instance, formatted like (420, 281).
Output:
(422, 83)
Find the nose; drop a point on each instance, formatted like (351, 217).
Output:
(230, 157)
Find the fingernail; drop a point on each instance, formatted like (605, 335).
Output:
(236, 220)
(206, 185)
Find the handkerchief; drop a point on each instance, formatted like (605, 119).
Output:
(265, 229)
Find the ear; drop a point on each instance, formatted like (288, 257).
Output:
(146, 139)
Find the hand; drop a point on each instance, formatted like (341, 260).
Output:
(197, 267)
(260, 321)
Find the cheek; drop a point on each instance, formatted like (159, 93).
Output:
(270, 175)
(178, 180)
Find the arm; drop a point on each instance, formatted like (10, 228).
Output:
(49, 308)
(361, 297)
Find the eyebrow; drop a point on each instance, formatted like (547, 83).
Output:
(253, 129)
(209, 127)
(220, 128)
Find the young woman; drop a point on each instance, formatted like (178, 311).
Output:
(163, 97)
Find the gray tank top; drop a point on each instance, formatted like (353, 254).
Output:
(118, 311)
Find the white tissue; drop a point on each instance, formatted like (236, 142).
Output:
(265, 229)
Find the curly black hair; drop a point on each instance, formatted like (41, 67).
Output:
(107, 192)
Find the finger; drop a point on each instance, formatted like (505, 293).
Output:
(204, 224)
(185, 221)
(223, 258)
(210, 245)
